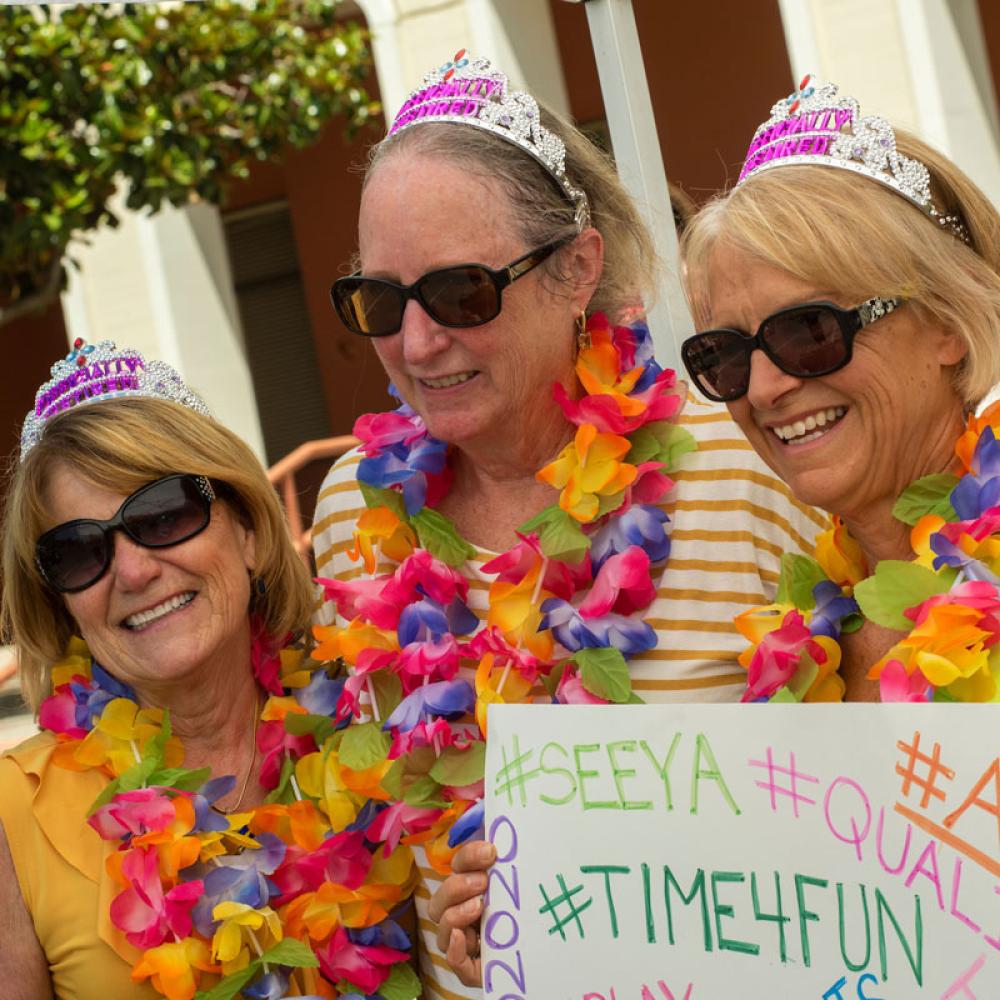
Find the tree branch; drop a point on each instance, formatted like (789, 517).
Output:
(39, 300)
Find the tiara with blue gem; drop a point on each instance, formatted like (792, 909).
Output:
(92, 373)
(468, 91)
(815, 125)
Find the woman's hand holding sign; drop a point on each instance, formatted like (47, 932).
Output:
(457, 908)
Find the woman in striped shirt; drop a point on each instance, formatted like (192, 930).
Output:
(534, 420)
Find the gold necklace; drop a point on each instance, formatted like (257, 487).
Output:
(253, 759)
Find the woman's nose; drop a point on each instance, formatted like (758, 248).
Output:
(423, 338)
(768, 383)
(133, 565)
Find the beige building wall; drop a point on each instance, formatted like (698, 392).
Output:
(919, 63)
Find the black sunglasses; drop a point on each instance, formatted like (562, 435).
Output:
(75, 555)
(459, 296)
(815, 338)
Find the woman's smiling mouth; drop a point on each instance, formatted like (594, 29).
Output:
(141, 619)
(446, 381)
(809, 428)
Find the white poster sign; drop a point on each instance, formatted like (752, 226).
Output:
(703, 852)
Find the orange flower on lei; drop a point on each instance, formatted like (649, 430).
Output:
(587, 469)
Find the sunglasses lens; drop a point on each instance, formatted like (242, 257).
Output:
(73, 556)
(806, 342)
(368, 306)
(169, 512)
(460, 296)
(719, 362)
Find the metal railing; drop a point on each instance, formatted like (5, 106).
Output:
(282, 475)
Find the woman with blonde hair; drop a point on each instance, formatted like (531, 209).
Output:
(851, 280)
(168, 827)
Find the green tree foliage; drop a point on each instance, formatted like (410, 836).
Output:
(174, 99)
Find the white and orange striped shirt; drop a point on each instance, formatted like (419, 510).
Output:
(731, 519)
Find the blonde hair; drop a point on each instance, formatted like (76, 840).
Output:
(857, 238)
(541, 212)
(119, 446)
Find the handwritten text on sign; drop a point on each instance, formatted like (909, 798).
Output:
(675, 852)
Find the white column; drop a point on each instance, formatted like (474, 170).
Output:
(919, 63)
(629, 111)
(162, 284)
(410, 37)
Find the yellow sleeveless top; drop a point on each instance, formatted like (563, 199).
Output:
(59, 862)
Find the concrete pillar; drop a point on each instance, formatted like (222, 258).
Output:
(921, 64)
(409, 37)
(162, 284)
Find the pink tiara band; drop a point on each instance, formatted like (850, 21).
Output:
(468, 91)
(91, 373)
(816, 126)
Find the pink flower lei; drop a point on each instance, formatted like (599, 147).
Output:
(564, 607)
(947, 599)
(297, 897)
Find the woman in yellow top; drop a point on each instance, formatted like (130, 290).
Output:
(150, 585)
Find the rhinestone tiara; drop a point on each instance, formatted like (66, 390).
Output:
(816, 125)
(468, 91)
(91, 373)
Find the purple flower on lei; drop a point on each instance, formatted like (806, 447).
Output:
(642, 525)
(272, 985)
(240, 878)
(399, 453)
(449, 699)
(427, 621)
(979, 490)
(831, 609)
(74, 707)
(468, 825)
(321, 695)
(628, 635)
(207, 819)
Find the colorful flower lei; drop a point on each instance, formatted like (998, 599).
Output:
(302, 882)
(947, 598)
(563, 607)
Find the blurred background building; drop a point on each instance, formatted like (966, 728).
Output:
(236, 297)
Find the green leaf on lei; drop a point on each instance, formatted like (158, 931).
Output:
(851, 623)
(897, 586)
(783, 696)
(376, 496)
(606, 504)
(109, 791)
(283, 791)
(460, 767)
(364, 746)
(407, 769)
(661, 441)
(320, 727)
(289, 951)
(803, 678)
(604, 672)
(928, 495)
(392, 780)
(138, 776)
(388, 692)
(438, 535)
(402, 983)
(227, 988)
(559, 535)
(181, 778)
(425, 793)
(799, 574)
(553, 677)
